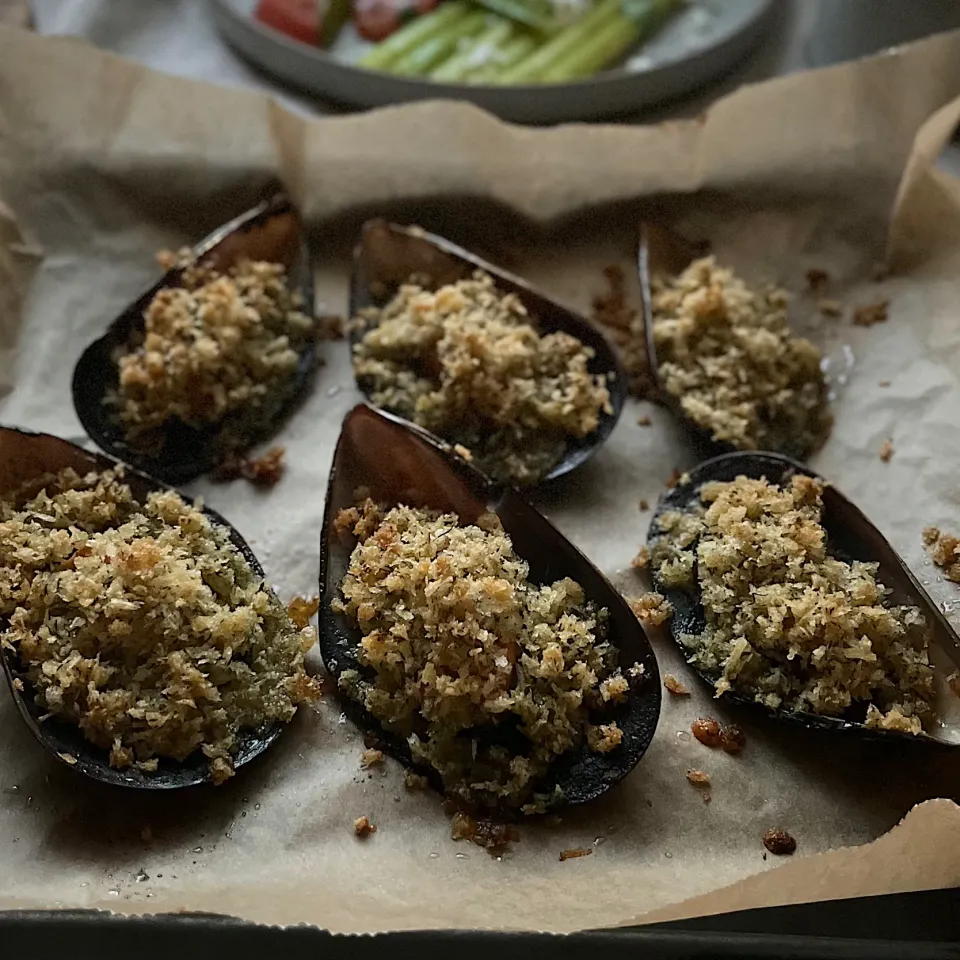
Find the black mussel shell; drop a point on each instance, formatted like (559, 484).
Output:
(398, 463)
(27, 457)
(851, 536)
(388, 255)
(270, 231)
(664, 252)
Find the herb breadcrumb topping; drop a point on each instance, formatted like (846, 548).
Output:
(143, 624)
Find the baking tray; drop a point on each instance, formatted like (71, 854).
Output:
(711, 37)
(912, 926)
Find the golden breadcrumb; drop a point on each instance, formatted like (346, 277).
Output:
(698, 778)
(886, 451)
(787, 624)
(944, 550)
(143, 624)
(726, 355)
(575, 853)
(457, 642)
(468, 363)
(371, 758)
(652, 609)
(871, 313)
(363, 828)
(674, 686)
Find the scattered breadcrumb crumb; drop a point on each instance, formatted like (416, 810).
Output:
(68, 758)
(674, 686)
(371, 757)
(300, 610)
(779, 842)
(944, 550)
(575, 853)
(707, 731)
(267, 470)
(698, 778)
(330, 326)
(642, 560)
(830, 308)
(624, 325)
(871, 313)
(673, 479)
(817, 279)
(732, 738)
(727, 357)
(604, 738)
(953, 682)
(493, 836)
(416, 781)
(644, 422)
(461, 451)
(652, 609)
(886, 451)
(644, 504)
(884, 383)
(363, 828)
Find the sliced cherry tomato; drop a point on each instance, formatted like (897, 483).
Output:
(375, 20)
(298, 19)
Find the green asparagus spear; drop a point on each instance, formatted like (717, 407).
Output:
(475, 53)
(407, 38)
(540, 15)
(532, 68)
(512, 52)
(433, 51)
(332, 20)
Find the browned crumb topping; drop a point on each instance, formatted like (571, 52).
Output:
(220, 348)
(300, 610)
(727, 356)
(363, 828)
(461, 451)
(68, 758)
(642, 560)
(467, 362)
(624, 326)
(884, 383)
(644, 504)
(830, 308)
(492, 836)
(457, 642)
(575, 853)
(817, 279)
(698, 778)
(370, 758)
(264, 471)
(330, 326)
(644, 422)
(414, 781)
(143, 624)
(732, 738)
(871, 313)
(953, 682)
(779, 842)
(787, 624)
(707, 731)
(944, 550)
(652, 609)
(674, 686)
(886, 451)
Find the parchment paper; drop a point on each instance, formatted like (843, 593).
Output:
(103, 162)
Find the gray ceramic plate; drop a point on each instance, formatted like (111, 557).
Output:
(708, 38)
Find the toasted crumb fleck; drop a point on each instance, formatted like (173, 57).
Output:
(673, 479)
(415, 781)
(652, 609)
(830, 308)
(363, 828)
(18, 684)
(264, 471)
(456, 639)
(707, 731)
(944, 550)
(732, 738)
(624, 326)
(886, 451)
(779, 842)
(726, 355)
(773, 594)
(698, 778)
(817, 279)
(644, 504)
(674, 686)
(884, 383)
(330, 326)
(143, 624)
(301, 609)
(221, 348)
(461, 451)
(871, 313)
(644, 422)
(468, 362)
(575, 853)
(68, 758)
(642, 560)
(953, 682)
(371, 757)
(492, 836)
